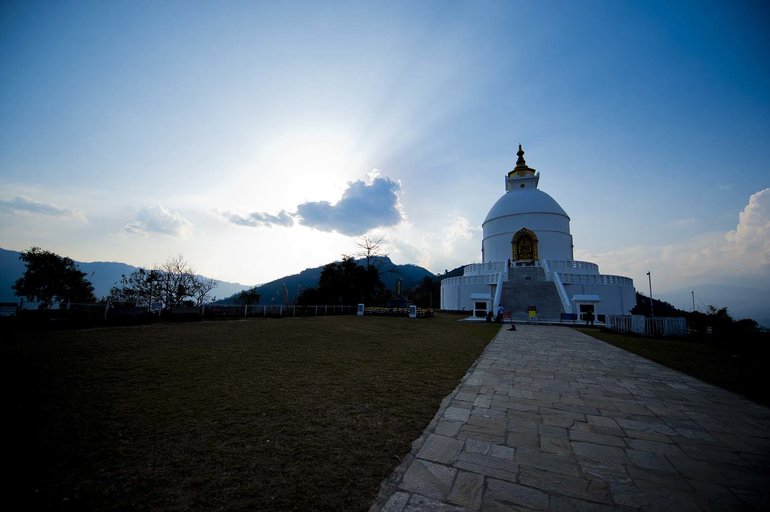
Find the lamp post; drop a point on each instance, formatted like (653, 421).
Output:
(649, 278)
(693, 300)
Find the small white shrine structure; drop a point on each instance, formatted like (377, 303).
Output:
(527, 263)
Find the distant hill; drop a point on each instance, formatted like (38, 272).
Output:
(103, 275)
(273, 292)
(741, 301)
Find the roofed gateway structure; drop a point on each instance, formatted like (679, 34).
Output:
(527, 256)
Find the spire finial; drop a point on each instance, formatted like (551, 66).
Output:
(520, 161)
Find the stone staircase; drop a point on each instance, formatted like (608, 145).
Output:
(527, 286)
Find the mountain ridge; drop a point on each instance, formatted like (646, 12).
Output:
(102, 274)
(273, 292)
(105, 274)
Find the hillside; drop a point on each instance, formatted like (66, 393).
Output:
(273, 292)
(102, 274)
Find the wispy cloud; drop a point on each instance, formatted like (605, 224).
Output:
(257, 219)
(740, 253)
(158, 219)
(365, 205)
(683, 223)
(25, 205)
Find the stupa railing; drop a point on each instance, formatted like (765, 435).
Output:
(572, 266)
(569, 278)
(478, 279)
(490, 267)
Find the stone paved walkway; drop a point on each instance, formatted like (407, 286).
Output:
(552, 419)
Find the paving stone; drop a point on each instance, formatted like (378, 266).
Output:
(448, 428)
(440, 449)
(550, 418)
(422, 504)
(456, 413)
(649, 436)
(397, 502)
(555, 483)
(590, 437)
(565, 465)
(601, 421)
(651, 499)
(608, 472)
(650, 460)
(553, 431)
(464, 396)
(522, 440)
(564, 504)
(467, 490)
(714, 497)
(477, 446)
(643, 426)
(696, 469)
(488, 466)
(555, 445)
(502, 452)
(654, 447)
(599, 452)
(653, 479)
(513, 494)
(429, 479)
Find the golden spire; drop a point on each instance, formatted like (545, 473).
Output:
(520, 162)
(522, 169)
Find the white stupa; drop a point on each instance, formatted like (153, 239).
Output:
(527, 262)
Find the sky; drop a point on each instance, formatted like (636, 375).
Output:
(260, 138)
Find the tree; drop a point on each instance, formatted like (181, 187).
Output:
(370, 248)
(426, 293)
(345, 282)
(248, 297)
(50, 278)
(174, 283)
(141, 287)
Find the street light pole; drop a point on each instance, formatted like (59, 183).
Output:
(693, 300)
(649, 278)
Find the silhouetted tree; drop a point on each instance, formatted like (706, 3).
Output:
(173, 283)
(345, 282)
(370, 247)
(248, 297)
(427, 292)
(50, 278)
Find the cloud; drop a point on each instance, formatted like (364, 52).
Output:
(158, 219)
(740, 254)
(751, 238)
(365, 205)
(257, 219)
(685, 223)
(456, 243)
(24, 204)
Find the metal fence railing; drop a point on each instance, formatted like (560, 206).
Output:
(120, 313)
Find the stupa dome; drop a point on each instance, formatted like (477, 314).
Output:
(525, 207)
(525, 201)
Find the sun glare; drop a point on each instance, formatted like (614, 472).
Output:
(310, 167)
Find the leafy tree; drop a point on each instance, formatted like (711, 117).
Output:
(174, 283)
(248, 297)
(427, 292)
(346, 282)
(50, 278)
(140, 287)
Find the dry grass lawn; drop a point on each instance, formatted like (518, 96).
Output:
(259, 414)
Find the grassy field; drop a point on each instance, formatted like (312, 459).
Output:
(260, 414)
(738, 367)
